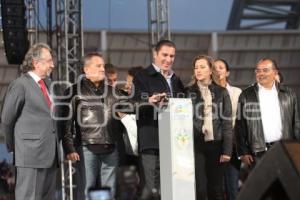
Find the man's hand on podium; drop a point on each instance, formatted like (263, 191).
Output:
(157, 98)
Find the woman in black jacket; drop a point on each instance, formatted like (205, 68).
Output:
(212, 129)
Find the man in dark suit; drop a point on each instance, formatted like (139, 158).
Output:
(152, 86)
(30, 132)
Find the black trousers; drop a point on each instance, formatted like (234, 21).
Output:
(150, 175)
(209, 172)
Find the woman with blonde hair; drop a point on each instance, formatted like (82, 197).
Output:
(212, 129)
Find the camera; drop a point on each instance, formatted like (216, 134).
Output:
(163, 98)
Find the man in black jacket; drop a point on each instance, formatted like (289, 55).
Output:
(91, 121)
(267, 113)
(152, 86)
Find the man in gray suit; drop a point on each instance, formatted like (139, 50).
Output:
(30, 132)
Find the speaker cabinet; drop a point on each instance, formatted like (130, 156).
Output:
(276, 176)
(14, 28)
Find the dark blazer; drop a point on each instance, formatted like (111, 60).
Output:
(30, 132)
(146, 83)
(222, 115)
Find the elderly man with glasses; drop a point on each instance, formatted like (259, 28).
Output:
(29, 128)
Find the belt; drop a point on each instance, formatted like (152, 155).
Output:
(269, 145)
(259, 154)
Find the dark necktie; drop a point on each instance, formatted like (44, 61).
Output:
(44, 91)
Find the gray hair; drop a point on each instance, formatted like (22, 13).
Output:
(34, 53)
(87, 58)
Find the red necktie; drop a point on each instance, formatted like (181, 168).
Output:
(44, 91)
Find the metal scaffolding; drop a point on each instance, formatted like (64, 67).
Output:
(34, 23)
(158, 21)
(264, 14)
(49, 23)
(32, 15)
(69, 39)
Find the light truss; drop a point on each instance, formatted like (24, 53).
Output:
(69, 39)
(158, 21)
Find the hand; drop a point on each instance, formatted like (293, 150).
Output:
(121, 115)
(247, 159)
(224, 158)
(73, 156)
(157, 97)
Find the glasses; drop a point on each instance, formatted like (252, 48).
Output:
(263, 70)
(48, 61)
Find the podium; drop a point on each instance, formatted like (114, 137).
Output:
(176, 144)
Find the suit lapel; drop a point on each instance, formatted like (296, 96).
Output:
(48, 83)
(153, 72)
(50, 90)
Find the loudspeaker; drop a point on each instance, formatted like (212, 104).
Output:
(276, 176)
(15, 32)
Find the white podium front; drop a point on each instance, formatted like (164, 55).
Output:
(176, 151)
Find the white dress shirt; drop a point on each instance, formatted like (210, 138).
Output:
(168, 77)
(35, 77)
(270, 113)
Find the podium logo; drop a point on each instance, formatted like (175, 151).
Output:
(183, 139)
(180, 109)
